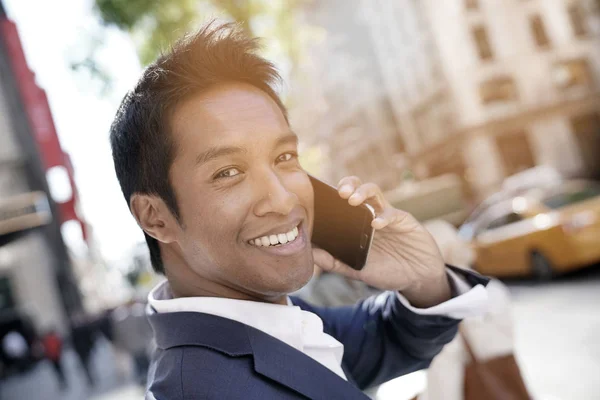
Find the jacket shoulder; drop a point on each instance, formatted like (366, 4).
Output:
(196, 372)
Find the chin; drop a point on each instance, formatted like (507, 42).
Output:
(291, 282)
(301, 280)
(299, 284)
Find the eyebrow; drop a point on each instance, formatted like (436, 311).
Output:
(216, 152)
(288, 138)
(222, 151)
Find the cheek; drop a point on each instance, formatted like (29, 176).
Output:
(215, 220)
(210, 235)
(207, 215)
(304, 190)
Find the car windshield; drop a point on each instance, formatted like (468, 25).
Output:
(572, 196)
(467, 231)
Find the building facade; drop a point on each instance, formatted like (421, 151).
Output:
(479, 88)
(524, 76)
(35, 268)
(351, 112)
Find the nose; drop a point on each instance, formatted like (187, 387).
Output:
(274, 196)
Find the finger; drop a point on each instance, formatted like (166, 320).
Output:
(389, 216)
(370, 193)
(401, 220)
(348, 185)
(329, 263)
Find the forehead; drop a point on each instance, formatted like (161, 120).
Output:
(233, 112)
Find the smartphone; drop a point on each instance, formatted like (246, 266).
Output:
(341, 229)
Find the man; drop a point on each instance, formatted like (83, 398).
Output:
(52, 343)
(83, 339)
(209, 167)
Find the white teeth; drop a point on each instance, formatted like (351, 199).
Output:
(272, 240)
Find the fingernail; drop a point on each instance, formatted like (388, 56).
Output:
(346, 189)
(354, 196)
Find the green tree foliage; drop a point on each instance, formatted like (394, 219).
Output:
(154, 24)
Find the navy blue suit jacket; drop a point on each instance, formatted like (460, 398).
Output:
(202, 356)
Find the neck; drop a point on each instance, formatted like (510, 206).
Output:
(185, 282)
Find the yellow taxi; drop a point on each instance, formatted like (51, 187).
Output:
(540, 232)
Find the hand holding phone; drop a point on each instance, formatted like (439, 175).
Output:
(341, 229)
(404, 256)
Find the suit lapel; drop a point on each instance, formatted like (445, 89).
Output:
(294, 369)
(272, 358)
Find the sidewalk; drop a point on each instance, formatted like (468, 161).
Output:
(41, 383)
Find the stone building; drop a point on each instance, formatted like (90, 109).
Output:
(479, 88)
(35, 269)
(524, 76)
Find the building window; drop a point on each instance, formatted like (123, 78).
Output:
(586, 128)
(398, 143)
(472, 4)
(7, 300)
(504, 220)
(498, 90)
(483, 44)
(539, 31)
(577, 20)
(573, 73)
(515, 151)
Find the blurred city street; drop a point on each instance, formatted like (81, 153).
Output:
(479, 118)
(557, 326)
(41, 382)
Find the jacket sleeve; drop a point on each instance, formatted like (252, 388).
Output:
(383, 339)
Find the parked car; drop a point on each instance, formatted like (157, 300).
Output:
(540, 232)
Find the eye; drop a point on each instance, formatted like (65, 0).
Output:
(287, 157)
(227, 173)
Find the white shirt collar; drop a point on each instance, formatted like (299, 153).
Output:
(299, 329)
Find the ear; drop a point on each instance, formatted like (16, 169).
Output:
(154, 217)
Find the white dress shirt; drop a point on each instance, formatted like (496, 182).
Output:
(301, 329)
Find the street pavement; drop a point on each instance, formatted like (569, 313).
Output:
(557, 330)
(108, 369)
(557, 339)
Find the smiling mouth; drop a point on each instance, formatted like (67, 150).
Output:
(276, 240)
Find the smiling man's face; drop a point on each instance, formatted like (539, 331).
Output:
(246, 205)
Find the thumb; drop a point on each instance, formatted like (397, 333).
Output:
(329, 263)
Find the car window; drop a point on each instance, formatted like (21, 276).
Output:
(503, 220)
(467, 231)
(572, 196)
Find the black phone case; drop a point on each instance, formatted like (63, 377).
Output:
(341, 229)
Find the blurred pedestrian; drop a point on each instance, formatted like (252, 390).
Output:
(132, 333)
(53, 346)
(83, 338)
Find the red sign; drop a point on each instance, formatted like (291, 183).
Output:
(39, 116)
